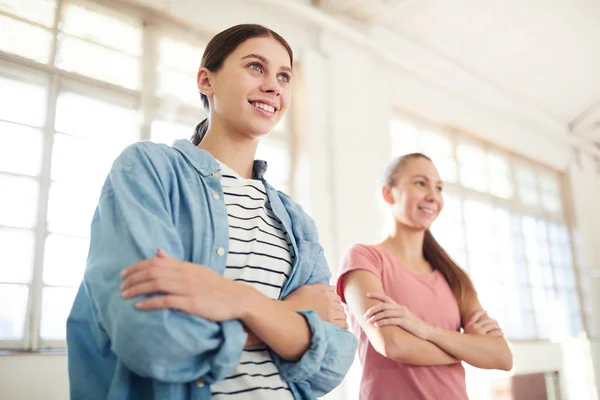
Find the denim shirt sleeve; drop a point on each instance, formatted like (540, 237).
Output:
(131, 222)
(332, 349)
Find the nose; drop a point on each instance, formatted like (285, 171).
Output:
(271, 86)
(432, 195)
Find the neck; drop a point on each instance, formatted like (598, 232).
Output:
(406, 243)
(235, 150)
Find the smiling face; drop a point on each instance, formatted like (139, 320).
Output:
(252, 90)
(416, 193)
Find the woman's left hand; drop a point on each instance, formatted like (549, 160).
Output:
(391, 313)
(191, 288)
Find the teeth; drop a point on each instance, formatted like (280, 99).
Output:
(265, 107)
(427, 210)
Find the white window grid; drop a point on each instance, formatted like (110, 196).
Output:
(538, 318)
(173, 113)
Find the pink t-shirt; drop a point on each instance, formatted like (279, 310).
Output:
(427, 296)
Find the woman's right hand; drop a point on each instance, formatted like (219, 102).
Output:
(481, 324)
(322, 299)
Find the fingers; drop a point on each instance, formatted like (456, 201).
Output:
(395, 313)
(174, 302)
(147, 274)
(489, 326)
(145, 264)
(388, 322)
(380, 307)
(160, 253)
(341, 323)
(475, 317)
(168, 286)
(381, 297)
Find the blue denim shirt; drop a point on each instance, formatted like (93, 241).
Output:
(155, 197)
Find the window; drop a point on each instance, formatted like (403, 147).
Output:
(504, 223)
(60, 133)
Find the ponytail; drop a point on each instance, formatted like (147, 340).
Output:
(199, 132)
(458, 280)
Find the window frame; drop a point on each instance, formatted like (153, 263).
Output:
(512, 204)
(145, 100)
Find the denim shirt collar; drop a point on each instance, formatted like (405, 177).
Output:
(206, 164)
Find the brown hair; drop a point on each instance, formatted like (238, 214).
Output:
(458, 280)
(217, 51)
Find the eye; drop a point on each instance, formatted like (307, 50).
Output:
(439, 189)
(420, 183)
(256, 67)
(284, 77)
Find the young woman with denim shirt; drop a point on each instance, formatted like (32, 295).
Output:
(408, 300)
(203, 281)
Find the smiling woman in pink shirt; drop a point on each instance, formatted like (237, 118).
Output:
(408, 300)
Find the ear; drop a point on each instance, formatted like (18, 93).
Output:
(204, 81)
(386, 193)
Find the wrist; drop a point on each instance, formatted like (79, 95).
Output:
(432, 333)
(249, 301)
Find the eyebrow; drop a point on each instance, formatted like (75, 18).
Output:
(426, 178)
(263, 59)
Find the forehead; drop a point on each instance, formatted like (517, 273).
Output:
(420, 166)
(267, 47)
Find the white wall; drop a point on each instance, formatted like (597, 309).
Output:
(33, 377)
(348, 98)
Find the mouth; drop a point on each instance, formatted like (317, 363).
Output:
(264, 107)
(427, 211)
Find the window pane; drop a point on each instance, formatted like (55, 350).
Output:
(64, 260)
(92, 60)
(78, 159)
(112, 123)
(472, 160)
(56, 306)
(17, 249)
(20, 149)
(278, 158)
(40, 11)
(526, 181)
(25, 40)
(525, 177)
(549, 184)
(167, 132)
(434, 143)
(446, 167)
(22, 102)
(12, 319)
(178, 85)
(404, 138)
(473, 178)
(551, 202)
(470, 154)
(175, 54)
(71, 208)
(18, 201)
(87, 23)
(576, 324)
(499, 176)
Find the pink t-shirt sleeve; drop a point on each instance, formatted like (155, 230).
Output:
(359, 257)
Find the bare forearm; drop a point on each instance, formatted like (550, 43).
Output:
(404, 347)
(285, 331)
(481, 351)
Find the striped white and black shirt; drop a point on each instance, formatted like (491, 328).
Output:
(259, 255)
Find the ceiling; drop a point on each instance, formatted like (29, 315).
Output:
(544, 52)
